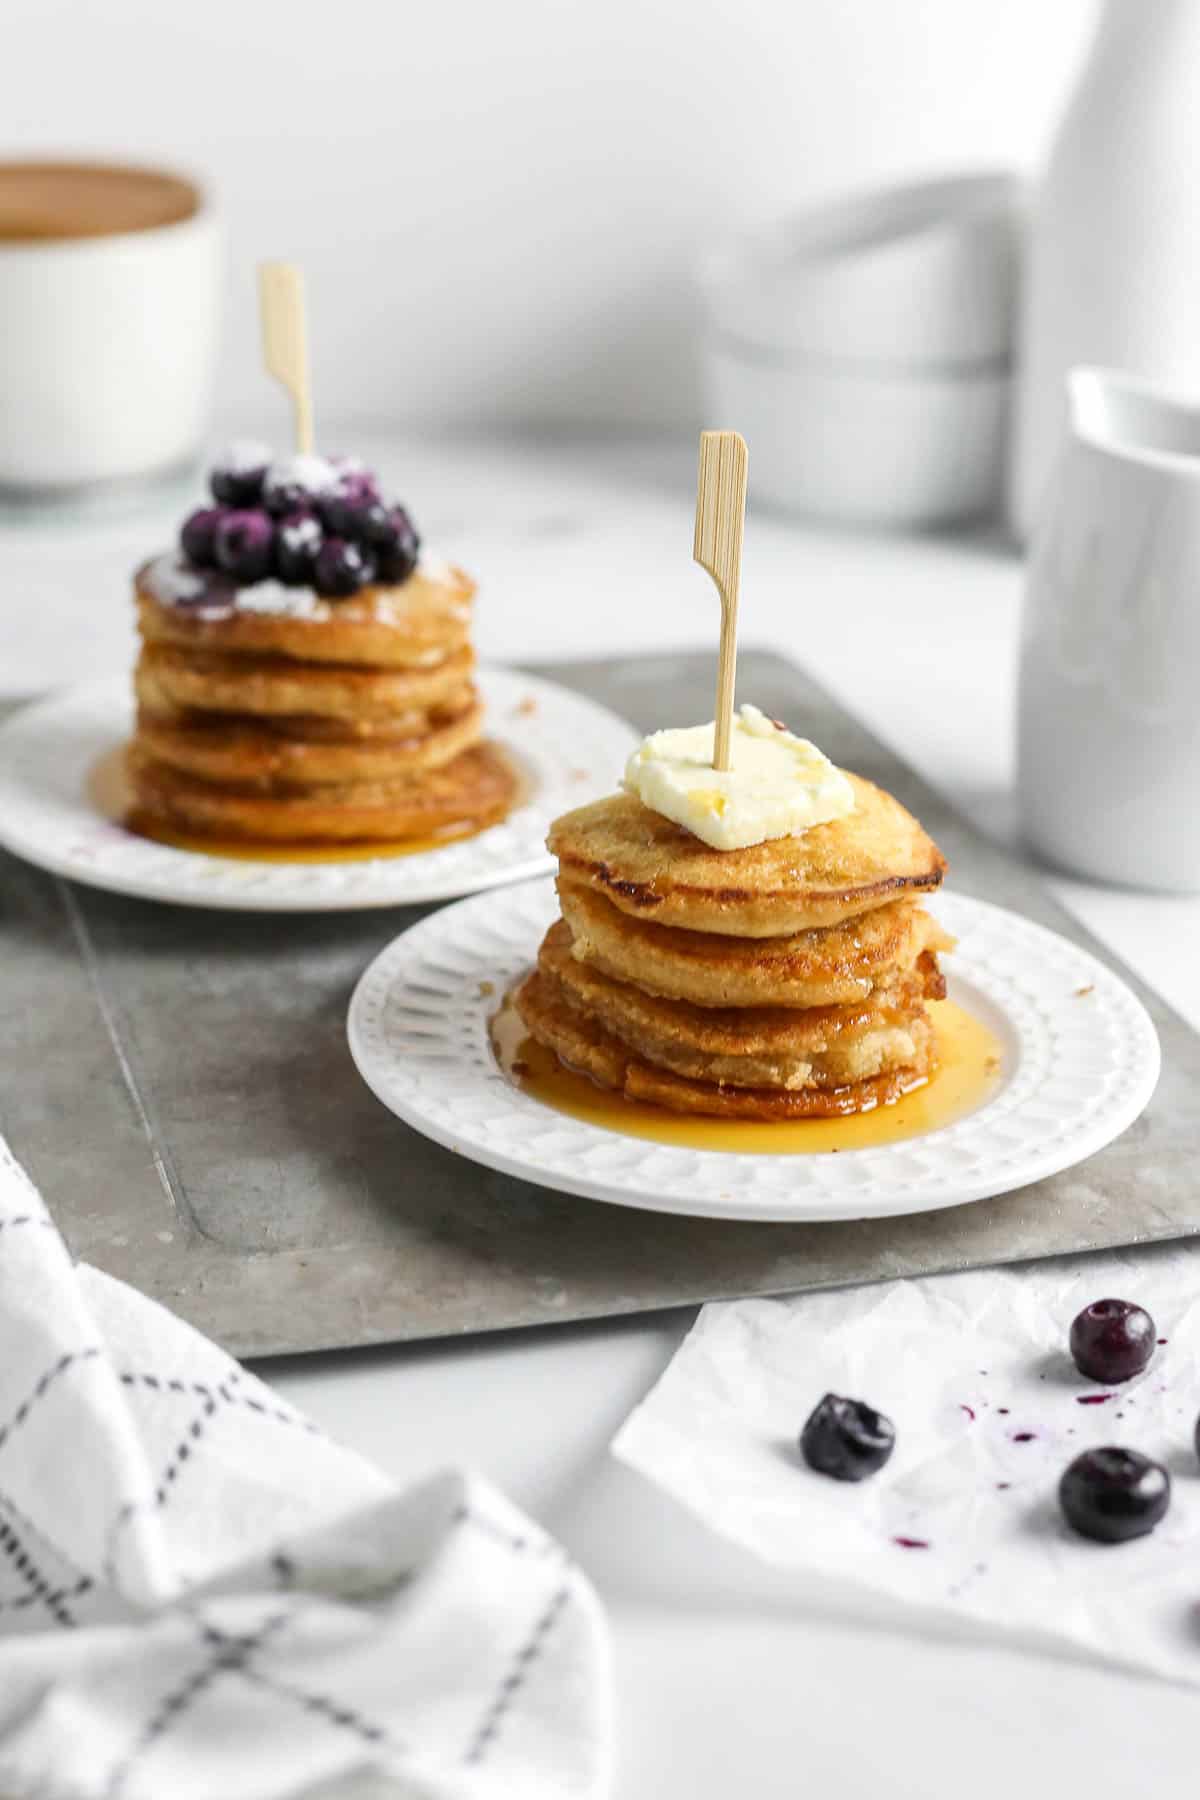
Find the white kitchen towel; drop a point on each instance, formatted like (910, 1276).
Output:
(200, 1594)
(963, 1522)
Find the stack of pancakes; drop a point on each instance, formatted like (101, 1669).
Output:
(783, 981)
(322, 721)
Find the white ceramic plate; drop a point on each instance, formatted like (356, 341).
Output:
(570, 749)
(1078, 1068)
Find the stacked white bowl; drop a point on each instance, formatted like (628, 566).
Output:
(864, 349)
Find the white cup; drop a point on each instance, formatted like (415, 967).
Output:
(1108, 734)
(108, 324)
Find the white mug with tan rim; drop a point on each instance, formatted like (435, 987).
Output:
(108, 323)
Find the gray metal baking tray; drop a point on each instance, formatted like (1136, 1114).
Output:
(178, 1084)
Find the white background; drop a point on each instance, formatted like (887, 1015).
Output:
(498, 201)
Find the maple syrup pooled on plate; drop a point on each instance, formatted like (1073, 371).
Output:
(968, 1072)
(109, 792)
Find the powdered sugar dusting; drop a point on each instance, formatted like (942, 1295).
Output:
(311, 474)
(274, 597)
(173, 581)
(296, 533)
(208, 594)
(435, 568)
(244, 456)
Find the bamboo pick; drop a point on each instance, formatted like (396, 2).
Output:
(285, 340)
(720, 518)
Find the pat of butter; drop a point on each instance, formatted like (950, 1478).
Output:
(777, 786)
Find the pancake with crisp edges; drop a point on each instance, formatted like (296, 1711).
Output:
(305, 728)
(831, 966)
(211, 682)
(755, 1047)
(583, 1044)
(413, 625)
(241, 753)
(651, 868)
(475, 789)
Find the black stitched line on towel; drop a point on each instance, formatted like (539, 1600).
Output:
(228, 1654)
(539, 1546)
(163, 1384)
(52, 1599)
(66, 1361)
(40, 1590)
(345, 1717)
(320, 1706)
(284, 1570)
(20, 1219)
(516, 1678)
(179, 1456)
(32, 1529)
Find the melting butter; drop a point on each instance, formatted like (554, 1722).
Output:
(778, 785)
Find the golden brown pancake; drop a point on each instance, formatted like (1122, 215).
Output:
(476, 789)
(307, 728)
(765, 1046)
(651, 868)
(831, 966)
(412, 625)
(585, 1045)
(242, 753)
(168, 675)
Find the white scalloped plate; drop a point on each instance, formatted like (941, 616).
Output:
(1077, 1072)
(569, 748)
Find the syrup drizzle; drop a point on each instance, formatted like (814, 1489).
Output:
(969, 1071)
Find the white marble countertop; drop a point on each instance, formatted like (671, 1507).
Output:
(583, 548)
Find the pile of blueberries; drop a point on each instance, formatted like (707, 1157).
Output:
(308, 521)
(1109, 1494)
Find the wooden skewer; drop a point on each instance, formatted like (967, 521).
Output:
(285, 340)
(720, 518)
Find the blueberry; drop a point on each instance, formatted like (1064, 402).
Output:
(236, 478)
(397, 558)
(297, 481)
(344, 509)
(846, 1439)
(196, 537)
(1112, 1340)
(341, 511)
(353, 468)
(298, 538)
(244, 543)
(1113, 1495)
(341, 568)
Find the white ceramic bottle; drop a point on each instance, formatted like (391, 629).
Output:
(1113, 269)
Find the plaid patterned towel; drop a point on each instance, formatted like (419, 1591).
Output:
(201, 1595)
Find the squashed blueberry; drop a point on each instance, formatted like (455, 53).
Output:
(846, 1439)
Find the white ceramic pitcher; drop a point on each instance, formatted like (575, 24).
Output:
(1109, 693)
